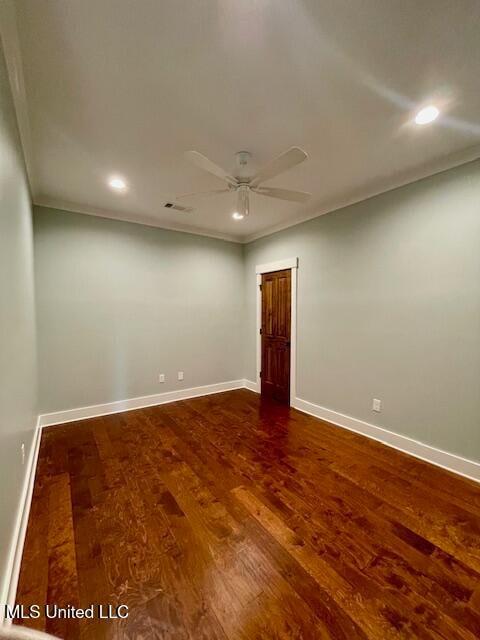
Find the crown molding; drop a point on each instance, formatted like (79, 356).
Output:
(376, 188)
(147, 221)
(444, 164)
(13, 59)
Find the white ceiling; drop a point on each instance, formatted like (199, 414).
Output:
(127, 86)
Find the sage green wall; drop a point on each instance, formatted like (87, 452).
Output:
(119, 303)
(18, 411)
(389, 307)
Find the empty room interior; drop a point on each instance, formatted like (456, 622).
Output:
(240, 319)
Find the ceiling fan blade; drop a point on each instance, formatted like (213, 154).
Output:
(283, 194)
(207, 165)
(278, 165)
(213, 192)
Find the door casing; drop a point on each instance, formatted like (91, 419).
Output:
(280, 265)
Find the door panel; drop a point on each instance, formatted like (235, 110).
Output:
(283, 307)
(276, 319)
(270, 366)
(267, 293)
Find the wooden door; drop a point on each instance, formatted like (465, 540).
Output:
(276, 314)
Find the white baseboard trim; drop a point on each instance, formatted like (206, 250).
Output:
(72, 415)
(14, 560)
(251, 386)
(449, 461)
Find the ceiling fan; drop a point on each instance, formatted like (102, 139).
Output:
(243, 183)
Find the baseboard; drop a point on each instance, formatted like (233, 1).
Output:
(72, 415)
(12, 573)
(251, 386)
(449, 461)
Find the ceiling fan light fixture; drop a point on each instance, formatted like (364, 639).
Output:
(243, 205)
(237, 216)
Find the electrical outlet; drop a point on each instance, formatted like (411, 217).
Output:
(180, 375)
(22, 449)
(376, 405)
(161, 377)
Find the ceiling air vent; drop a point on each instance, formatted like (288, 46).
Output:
(177, 207)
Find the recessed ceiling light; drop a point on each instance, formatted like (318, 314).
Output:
(427, 115)
(237, 216)
(118, 184)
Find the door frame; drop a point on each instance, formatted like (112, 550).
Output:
(279, 265)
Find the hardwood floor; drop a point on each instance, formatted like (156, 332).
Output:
(228, 517)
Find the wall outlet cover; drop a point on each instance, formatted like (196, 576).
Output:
(377, 405)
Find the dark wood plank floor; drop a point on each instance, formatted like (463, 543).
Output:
(224, 517)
